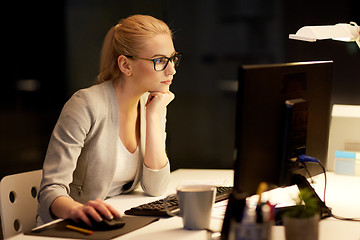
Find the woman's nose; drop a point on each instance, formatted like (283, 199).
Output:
(170, 68)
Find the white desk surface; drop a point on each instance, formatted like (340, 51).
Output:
(343, 196)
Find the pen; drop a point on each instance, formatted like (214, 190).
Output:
(259, 211)
(78, 229)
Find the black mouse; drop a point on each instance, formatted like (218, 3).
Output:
(104, 225)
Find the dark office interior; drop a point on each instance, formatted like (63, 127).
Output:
(52, 49)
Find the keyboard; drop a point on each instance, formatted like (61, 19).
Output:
(156, 208)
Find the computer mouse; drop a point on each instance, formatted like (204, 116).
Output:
(106, 224)
(115, 222)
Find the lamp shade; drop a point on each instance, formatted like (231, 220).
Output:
(340, 31)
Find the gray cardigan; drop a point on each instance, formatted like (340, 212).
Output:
(82, 152)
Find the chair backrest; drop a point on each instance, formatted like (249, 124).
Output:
(18, 202)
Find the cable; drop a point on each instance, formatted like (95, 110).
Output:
(303, 159)
(307, 174)
(345, 218)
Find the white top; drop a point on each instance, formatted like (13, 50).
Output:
(125, 169)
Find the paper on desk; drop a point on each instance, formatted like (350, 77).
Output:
(217, 215)
(219, 209)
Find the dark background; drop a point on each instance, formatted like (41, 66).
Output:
(52, 48)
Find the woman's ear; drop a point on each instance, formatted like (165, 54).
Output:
(124, 65)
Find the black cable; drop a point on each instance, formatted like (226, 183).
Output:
(303, 159)
(307, 174)
(325, 178)
(345, 218)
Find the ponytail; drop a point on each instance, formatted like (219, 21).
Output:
(108, 63)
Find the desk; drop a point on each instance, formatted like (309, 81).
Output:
(341, 197)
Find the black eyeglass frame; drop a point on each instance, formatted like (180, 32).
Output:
(154, 60)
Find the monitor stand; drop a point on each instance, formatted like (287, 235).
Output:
(302, 183)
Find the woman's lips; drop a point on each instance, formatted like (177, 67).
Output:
(168, 82)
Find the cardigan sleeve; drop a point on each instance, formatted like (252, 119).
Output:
(64, 148)
(154, 182)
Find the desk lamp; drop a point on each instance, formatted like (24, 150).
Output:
(341, 31)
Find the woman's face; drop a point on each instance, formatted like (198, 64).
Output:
(144, 75)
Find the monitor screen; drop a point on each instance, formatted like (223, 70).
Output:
(282, 110)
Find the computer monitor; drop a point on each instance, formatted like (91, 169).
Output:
(283, 110)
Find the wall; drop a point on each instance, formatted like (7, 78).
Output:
(32, 81)
(60, 47)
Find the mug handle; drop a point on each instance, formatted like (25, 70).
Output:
(166, 207)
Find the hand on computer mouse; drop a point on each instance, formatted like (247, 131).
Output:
(93, 211)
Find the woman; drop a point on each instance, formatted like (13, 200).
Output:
(111, 137)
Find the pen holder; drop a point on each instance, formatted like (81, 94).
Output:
(250, 231)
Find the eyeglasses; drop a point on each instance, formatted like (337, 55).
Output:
(161, 63)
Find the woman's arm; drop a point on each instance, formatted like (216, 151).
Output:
(65, 146)
(155, 154)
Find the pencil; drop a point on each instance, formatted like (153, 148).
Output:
(82, 230)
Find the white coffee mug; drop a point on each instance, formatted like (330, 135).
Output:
(195, 202)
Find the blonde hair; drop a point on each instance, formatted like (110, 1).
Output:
(128, 37)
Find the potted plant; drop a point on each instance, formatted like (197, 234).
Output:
(302, 221)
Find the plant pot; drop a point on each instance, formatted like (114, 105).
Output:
(302, 228)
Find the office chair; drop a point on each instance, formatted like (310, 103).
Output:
(18, 202)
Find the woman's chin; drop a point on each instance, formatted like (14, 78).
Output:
(161, 89)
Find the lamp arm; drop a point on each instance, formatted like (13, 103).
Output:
(357, 40)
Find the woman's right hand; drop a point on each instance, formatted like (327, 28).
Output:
(95, 209)
(65, 207)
